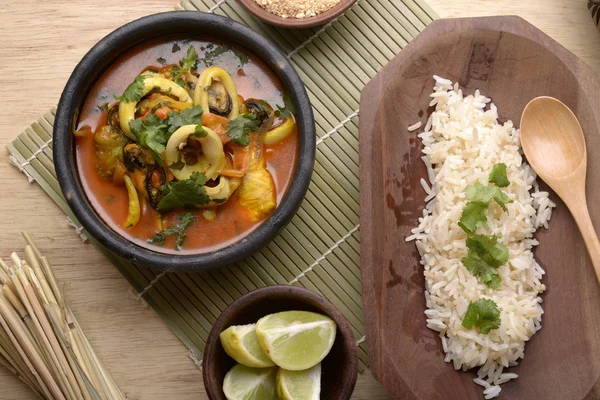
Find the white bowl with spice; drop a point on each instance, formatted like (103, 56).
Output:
(297, 13)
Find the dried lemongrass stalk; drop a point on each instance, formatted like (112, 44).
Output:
(40, 340)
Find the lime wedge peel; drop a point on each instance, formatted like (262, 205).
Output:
(299, 385)
(296, 340)
(241, 344)
(245, 383)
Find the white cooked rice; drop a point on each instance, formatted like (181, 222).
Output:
(462, 141)
(414, 126)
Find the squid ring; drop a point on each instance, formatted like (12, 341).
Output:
(211, 162)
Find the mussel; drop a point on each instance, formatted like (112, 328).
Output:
(219, 101)
(260, 109)
(154, 188)
(113, 118)
(216, 92)
(135, 156)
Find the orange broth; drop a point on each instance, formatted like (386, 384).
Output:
(253, 80)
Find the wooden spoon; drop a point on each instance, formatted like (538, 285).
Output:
(554, 145)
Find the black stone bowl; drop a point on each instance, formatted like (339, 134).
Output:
(102, 55)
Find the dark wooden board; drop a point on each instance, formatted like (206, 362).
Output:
(512, 62)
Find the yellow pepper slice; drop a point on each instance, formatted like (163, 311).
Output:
(178, 105)
(281, 132)
(204, 82)
(133, 217)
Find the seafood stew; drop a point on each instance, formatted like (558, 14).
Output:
(186, 146)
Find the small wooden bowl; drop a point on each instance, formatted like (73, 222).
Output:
(339, 368)
(276, 20)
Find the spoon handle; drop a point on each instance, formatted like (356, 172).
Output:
(584, 222)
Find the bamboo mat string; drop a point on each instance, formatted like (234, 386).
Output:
(324, 255)
(338, 127)
(78, 229)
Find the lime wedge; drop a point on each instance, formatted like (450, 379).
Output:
(296, 340)
(245, 383)
(299, 385)
(241, 343)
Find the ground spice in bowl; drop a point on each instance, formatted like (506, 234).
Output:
(297, 8)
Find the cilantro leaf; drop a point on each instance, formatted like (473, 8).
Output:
(481, 194)
(502, 199)
(288, 107)
(485, 255)
(178, 165)
(487, 247)
(482, 314)
(474, 215)
(498, 175)
(214, 52)
(189, 192)
(189, 116)
(134, 92)
(241, 55)
(190, 60)
(478, 267)
(200, 132)
(185, 220)
(151, 134)
(238, 129)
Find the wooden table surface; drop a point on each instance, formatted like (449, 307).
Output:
(42, 40)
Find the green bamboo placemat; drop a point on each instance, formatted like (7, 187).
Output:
(319, 249)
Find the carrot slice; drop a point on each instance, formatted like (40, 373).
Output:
(218, 124)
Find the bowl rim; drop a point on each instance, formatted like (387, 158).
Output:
(252, 7)
(104, 54)
(349, 342)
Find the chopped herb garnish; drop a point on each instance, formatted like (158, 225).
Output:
(178, 165)
(185, 220)
(214, 52)
(200, 132)
(161, 60)
(239, 128)
(190, 60)
(152, 134)
(498, 175)
(241, 55)
(480, 193)
(134, 92)
(482, 314)
(189, 116)
(478, 267)
(101, 107)
(175, 48)
(502, 199)
(186, 193)
(488, 248)
(474, 214)
(484, 257)
(288, 107)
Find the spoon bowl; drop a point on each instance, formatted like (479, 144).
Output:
(554, 144)
(552, 138)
